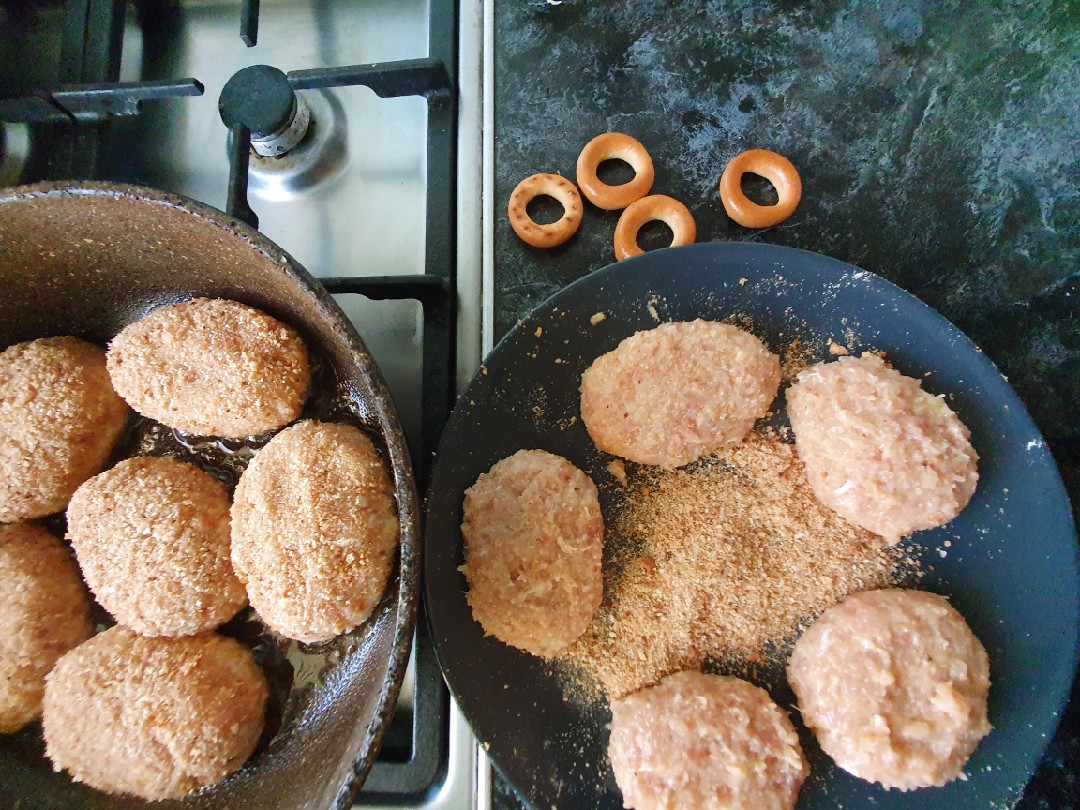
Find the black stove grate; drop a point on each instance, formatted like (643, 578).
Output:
(69, 117)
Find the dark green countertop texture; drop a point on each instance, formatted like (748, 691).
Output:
(938, 143)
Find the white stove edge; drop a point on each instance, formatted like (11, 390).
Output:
(476, 297)
(476, 278)
(476, 261)
(483, 767)
(482, 794)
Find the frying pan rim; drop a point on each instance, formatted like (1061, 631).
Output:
(775, 253)
(406, 497)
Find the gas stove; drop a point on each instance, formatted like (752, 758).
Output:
(350, 134)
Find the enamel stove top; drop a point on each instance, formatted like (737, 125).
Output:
(364, 163)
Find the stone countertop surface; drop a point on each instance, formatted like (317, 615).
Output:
(938, 143)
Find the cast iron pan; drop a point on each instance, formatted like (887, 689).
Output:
(1011, 568)
(88, 260)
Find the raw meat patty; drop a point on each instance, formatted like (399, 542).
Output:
(59, 420)
(44, 612)
(673, 394)
(704, 741)
(878, 450)
(153, 717)
(314, 530)
(533, 541)
(894, 685)
(152, 539)
(212, 367)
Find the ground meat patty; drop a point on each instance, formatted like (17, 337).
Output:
(894, 685)
(314, 530)
(533, 540)
(673, 394)
(44, 612)
(59, 420)
(212, 367)
(881, 452)
(153, 717)
(152, 539)
(704, 741)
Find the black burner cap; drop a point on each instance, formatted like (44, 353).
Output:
(259, 97)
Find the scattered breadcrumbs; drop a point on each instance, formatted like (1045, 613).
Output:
(598, 317)
(618, 471)
(725, 561)
(797, 357)
(651, 307)
(837, 349)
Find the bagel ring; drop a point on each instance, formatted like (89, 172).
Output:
(669, 211)
(605, 147)
(775, 168)
(554, 233)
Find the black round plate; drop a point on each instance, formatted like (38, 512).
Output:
(1011, 568)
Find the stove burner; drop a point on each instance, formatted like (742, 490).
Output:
(261, 98)
(259, 106)
(318, 157)
(281, 142)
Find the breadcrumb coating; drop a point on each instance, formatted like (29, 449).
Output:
(212, 367)
(44, 612)
(314, 530)
(153, 717)
(59, 421)
(152, 539)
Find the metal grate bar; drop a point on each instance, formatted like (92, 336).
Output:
(97, 102)
(103, 43)
(249, 22)
(411, 781)
(412, 77)
(36, 109)
(237, 195)
(90, 52)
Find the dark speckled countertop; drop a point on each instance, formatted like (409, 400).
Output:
(939, 146)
